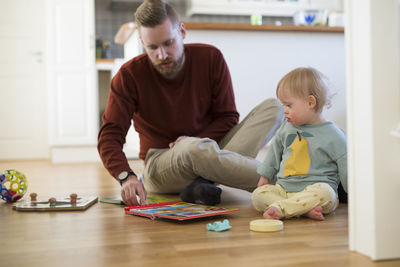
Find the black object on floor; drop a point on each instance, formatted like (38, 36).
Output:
(201, 191)
(342, 194)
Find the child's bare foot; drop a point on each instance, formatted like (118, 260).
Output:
(315, 213)
(272, 213)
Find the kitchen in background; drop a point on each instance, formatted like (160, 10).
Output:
(111, 14)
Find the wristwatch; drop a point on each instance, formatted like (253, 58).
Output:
(124, 175)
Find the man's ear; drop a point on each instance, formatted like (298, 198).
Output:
(312, 102)
(182, 30)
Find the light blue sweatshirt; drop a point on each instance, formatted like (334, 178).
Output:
(303, 155)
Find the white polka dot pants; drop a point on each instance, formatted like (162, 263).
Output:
(291, 204)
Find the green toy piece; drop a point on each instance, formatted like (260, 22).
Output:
(219, 226)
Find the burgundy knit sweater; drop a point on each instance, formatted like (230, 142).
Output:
(198, 102)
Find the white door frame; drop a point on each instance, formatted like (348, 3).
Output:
(373, 111)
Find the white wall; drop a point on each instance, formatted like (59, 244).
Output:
(258, 60)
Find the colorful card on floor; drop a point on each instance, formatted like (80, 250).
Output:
(151, 199)
(177, 210)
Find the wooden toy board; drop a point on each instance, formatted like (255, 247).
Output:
(63, 204)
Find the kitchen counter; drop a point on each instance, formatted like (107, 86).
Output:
(105, 63)
(109, 64)
(248, 27)
(259, 56)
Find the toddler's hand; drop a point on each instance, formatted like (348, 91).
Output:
(263, 181)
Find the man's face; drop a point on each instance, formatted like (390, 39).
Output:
(164, 46)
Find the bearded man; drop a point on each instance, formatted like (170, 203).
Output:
(181, 101)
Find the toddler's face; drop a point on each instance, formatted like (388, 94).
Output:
(298, 111)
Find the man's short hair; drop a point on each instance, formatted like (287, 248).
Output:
(154, 12)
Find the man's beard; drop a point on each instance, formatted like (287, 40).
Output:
(171, 70)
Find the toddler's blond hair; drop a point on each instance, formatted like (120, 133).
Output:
(303, 82)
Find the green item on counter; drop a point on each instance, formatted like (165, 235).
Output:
(256, 19)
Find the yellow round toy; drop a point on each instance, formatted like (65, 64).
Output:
(266, 225)
(13, 185)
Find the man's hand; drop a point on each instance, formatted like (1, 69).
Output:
(263, 181)
(130, 188)
(171, 145)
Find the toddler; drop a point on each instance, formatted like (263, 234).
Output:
(307, 158)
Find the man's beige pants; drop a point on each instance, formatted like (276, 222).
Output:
(230, 162)
(291, 204)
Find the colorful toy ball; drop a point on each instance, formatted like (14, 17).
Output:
(13, 185)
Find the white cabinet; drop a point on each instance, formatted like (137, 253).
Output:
(72, 85)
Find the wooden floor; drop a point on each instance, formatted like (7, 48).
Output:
(104, 236)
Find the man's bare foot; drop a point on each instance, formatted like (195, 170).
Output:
(315, 213)
(272, 213)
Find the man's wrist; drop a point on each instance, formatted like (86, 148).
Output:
(123, 176)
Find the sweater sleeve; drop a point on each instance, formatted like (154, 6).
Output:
(342, 170)
(223, 108)
(116, 123)
(270, 167)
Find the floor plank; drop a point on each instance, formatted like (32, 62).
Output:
(104, 236)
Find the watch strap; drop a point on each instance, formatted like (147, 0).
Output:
(121, 181)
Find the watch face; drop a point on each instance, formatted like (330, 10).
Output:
(123, 175)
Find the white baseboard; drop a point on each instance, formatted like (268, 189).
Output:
(70, 154)
(74, 154)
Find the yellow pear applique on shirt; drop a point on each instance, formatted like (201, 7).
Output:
(298, 162)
